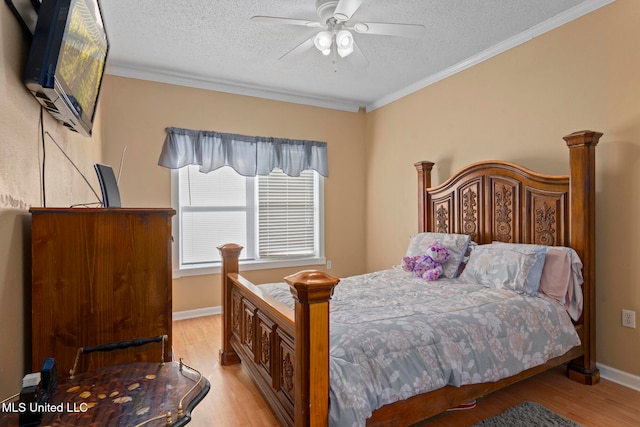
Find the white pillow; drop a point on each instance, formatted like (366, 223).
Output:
(535, 274)
(502, 267)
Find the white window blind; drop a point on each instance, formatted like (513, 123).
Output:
(276, 218)
(214, 210)
(286, 215)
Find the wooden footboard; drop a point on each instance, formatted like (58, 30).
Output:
(287, 351)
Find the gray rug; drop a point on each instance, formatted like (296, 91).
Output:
(527, 414)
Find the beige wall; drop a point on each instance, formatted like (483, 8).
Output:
(517, 107)
(20, 166)
(138, 113)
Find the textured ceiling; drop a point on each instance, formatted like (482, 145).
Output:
(213, 44)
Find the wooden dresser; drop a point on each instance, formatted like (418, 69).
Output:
(99, 276)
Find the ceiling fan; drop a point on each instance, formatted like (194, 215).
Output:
(336, 30)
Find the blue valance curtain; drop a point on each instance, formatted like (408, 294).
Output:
(248, 155)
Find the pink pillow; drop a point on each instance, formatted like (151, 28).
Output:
(562, 279)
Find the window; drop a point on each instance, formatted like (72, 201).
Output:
(278, 219)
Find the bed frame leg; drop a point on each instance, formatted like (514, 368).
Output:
(230, 254)
(581, 375)
(312, 291)
(582, 146)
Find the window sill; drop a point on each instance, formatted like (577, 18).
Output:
(245, 265)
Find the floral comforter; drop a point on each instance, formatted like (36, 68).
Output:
(394, 335)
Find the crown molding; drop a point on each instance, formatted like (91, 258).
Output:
(525, 36)
(162, 76)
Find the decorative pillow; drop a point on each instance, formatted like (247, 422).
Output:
(561, 277)
(504, 268)
(456, 244)
(532, 284)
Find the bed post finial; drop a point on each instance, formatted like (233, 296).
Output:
(311, 291)
(424, 181)
(582, 238)
(230, 254)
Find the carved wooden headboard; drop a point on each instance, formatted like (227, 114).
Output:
(500, 201)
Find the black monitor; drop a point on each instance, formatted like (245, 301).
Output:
(108, 185)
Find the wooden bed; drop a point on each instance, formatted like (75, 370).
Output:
(287, 351)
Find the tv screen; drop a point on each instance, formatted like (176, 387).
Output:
(67, 60)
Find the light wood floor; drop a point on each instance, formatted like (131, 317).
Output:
(234, 401)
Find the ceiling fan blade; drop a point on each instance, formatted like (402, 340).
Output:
(287, 21)
(345, 9)
(390, 29)
(357, 57)
(298, 49)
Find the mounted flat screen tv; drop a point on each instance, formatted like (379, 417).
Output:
(67, 60)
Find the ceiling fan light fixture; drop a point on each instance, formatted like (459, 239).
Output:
(345, 51)
(322, 41)
(344, 43)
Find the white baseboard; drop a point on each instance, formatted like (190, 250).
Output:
(612, 374)
(621, 377)
(199, 312)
